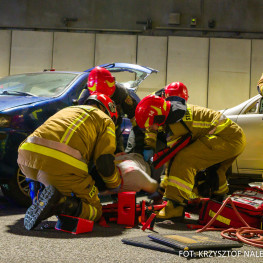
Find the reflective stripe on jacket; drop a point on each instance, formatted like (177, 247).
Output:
(200, 121)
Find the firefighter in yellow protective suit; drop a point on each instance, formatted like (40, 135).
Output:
(57, 154)
(215, 139)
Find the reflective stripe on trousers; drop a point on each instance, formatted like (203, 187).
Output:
(55, 150)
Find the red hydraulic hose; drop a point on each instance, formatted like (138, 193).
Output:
(219, 212)
(249, 235)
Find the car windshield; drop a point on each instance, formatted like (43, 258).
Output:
(44, 84)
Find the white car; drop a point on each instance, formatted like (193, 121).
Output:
(249, 165)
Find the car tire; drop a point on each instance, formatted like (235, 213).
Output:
(16, 190)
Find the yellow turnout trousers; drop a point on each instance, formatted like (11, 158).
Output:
(223, 147)
(82, 185)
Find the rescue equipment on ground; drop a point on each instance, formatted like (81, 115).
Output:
(127, 212)
(226, 218)
(149, 223)
(126, 216)
(188, 241)
(249, 204)
(73, 225)
(246, 206)
(124, 212)
(160, 158)
(147, 242)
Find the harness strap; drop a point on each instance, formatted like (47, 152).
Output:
(183, 123)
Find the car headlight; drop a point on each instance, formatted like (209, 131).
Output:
(5, 121)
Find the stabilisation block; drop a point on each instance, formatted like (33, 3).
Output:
(146, 242)
(73, 225)
(126, 208)
(191, 240)
(149, 223)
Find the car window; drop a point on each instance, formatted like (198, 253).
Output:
(252, 109)
(46, 84)
(135, 77)
(77, 91)
(255, 107)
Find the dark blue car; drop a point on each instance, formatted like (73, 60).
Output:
(27, 100)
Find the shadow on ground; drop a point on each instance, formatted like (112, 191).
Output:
(8, 208)
(47, 230)
(173, 225)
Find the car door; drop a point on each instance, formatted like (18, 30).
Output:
(251, 120)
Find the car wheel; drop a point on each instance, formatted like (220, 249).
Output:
(16, 190)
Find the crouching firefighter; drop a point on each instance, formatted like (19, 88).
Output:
(57, 154)
(215, 139)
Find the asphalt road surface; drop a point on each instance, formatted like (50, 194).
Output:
(101, 245)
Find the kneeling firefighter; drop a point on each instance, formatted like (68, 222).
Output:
(215, 139)
(57, 154)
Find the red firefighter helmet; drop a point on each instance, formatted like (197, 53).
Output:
(176, 89)
(101, 80)
(106, 102)
(152, 110)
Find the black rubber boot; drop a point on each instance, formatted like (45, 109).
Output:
(51, 202)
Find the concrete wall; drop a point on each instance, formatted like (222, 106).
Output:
(152, 52)
(229, 72)
(65, 56)
(188, 63)
(233, 18)
(5, 45)
(219, 72)
(30, 51)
